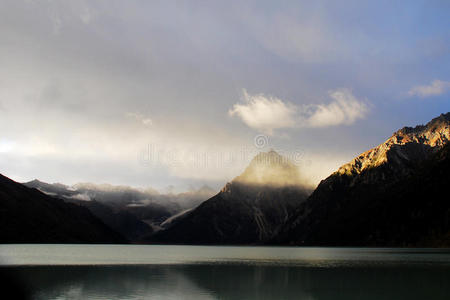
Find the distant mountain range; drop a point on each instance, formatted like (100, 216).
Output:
(392, 195)
(134, 213)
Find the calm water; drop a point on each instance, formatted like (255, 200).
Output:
(191, 272)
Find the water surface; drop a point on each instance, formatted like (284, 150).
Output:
(197, 272)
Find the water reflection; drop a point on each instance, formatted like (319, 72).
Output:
(233, 282)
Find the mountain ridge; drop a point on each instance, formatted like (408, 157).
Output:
(384, 182)
(29, 216)
(424, 139)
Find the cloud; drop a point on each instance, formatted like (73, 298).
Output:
(139, 117)
(344, 110)
(267, 113)
(264, 113)
(77, 81)
(436, 88)
(81, 196)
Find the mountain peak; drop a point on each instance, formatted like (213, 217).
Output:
(35, 181)
(270, 168)
(435, 124)
(434, 133)
(271, 157)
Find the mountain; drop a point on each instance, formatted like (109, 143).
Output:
(30, 216)
(132, 212)
(122, 221)
(249, 210)
(392, 195)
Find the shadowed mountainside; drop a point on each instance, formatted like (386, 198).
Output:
(30, 216)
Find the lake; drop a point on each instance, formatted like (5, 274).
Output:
(209, 272)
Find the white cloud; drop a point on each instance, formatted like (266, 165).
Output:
(437, 87)
(82, 196)
(264, 113)
(267, 113)
(139, 117)
(345, 109)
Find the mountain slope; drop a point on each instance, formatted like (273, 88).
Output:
(118, 219)
(249, 210)
(392, 195)
(30, 216)
(121, 221)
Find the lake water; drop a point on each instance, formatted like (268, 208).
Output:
(198, 272)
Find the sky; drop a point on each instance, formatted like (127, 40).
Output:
(175, 94)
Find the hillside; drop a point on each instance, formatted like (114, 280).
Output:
(30, 216)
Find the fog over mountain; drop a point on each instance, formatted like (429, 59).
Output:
(250, 209)
(229, 122)
(133, 212)
(390, 195)
(124, 195)
(271, 169)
